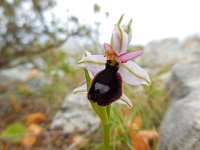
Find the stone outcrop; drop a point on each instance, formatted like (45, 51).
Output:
(169, 52)
(180, 128)
(76, 115)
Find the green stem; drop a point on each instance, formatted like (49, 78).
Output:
(104, 113)
(108, 110)
(106, 133)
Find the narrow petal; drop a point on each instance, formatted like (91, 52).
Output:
(130, 55)
(124, 42)
(125, 100)
(93, 63)
(107, 46)
(116, 39)
(133, 74)
(81, 89)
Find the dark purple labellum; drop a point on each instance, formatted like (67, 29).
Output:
(106, 86)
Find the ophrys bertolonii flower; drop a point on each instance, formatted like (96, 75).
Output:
(109, 72)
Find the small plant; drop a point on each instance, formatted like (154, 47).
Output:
(13, 133)
(104, 75)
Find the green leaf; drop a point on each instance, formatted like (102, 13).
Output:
(87, 77)
(13, 133)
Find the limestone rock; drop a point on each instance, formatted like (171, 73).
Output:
(76, 115)
(10, 75)
(26, 73)
(185, 78)
(162, 53)
(180, 129)
(170, 51)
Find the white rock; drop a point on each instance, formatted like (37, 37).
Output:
(168, 52)
(76, 115)
(161, 53)
(34, 78)
(10, 75)
(180, 129)
(185, 78)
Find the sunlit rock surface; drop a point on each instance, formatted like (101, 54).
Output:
(170, 51)
(185, 79)
(162, 53)
(180, 128)
(29, 73)
(76, 115)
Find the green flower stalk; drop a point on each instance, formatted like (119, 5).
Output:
(103, 113)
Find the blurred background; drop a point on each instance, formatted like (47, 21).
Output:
(40, 43)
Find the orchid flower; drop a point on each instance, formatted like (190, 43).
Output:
(130, 72)
(108, 73)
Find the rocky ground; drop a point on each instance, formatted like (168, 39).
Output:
(180, 127)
